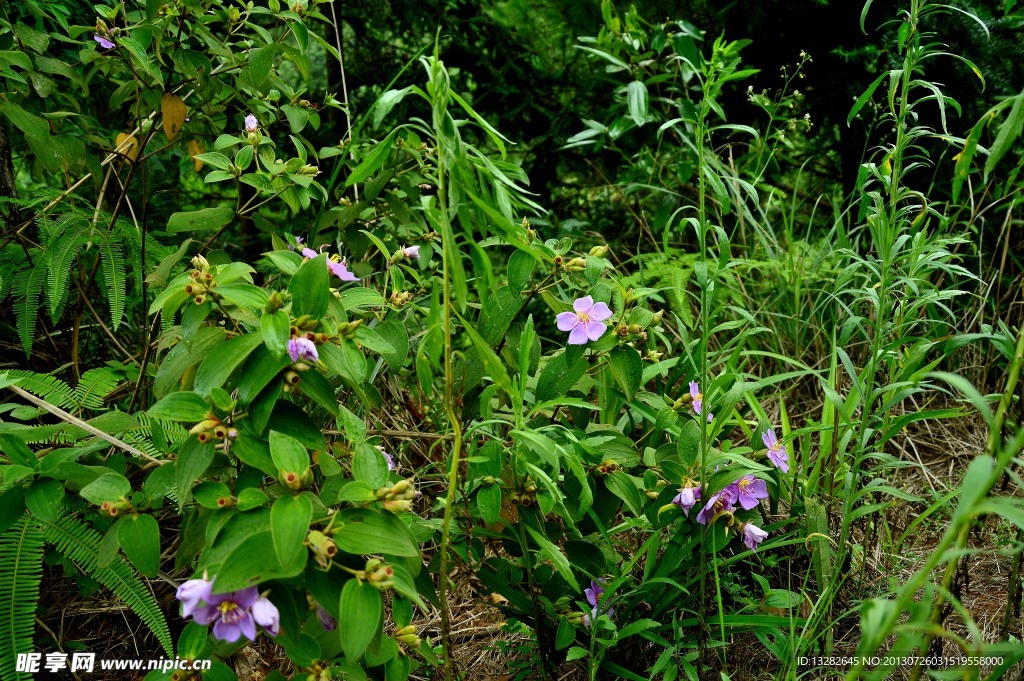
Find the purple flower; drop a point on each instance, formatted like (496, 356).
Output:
(327, 620)
(104, 42)
(339, 270)
(387, 457)
(723, 501)
(586, 322)
(776, 450)
(251, 124)
(266, 615)
(697, 397)
(687, 499)
(411, 252)
(302, 348)
(309, 252)
(748, 490)
(237, 613)
(192, 593)
(593, 595)
(753, 535)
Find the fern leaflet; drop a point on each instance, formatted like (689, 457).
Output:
(21, 569)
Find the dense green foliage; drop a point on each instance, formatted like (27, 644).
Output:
(623, 324)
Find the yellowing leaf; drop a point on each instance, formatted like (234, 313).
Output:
(173, 109)
(127, 145)
(196, 147)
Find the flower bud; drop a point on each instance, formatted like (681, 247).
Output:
(599, 251)
(225, 502)
(398, 505)
(292, 378)
(203, 426)
(576, 265)
(291, 480)
(200, 299)
(411, 640)
(204, 437)
(220, 432)
(201, 263)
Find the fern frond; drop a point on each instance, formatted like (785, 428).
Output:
(28, 284)
(114, 277)
(94, 385)
(21, 569)
(62, 251)
(80, 544)
(45, 386)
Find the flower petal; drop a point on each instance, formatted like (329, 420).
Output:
(567, 321)
(578, 336)
(244, 598)
(227, 632)
(600, 312)
(595, 330)
(266, 615)
(583, 304)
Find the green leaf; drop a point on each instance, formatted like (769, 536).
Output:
(288, 453)
(316, 387)
(17, 452)
(636, 101)
(209, 494)
(557, 558)
(398, 338)
(362, 530)
(558, 378)
(242, 295)
(222, 362)
(181, 406)
(276, 331)
(251, 498)
(44, 498)
(262, 367)
(30, 124)
(309, 288)
(369, 465)
(139, 536)
(627, 369)
(193, 459)
(12, 507)
(360, 617)
(520, 268)
(488, 503)
(373, 161)
(200, 220)
(493, 365)
(289, 522)
(108, 487)
(251, 563)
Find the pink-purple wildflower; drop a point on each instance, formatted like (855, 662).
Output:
(251, 124)
(302, 348)
(723, 501)
(327, 620)
(339, 269)
(697, 397)
(753, 535)
(105, 43)
(192, 593)
(335, 264)
(411, 252)
(387, 457)
(776, 450)
(593, 595)
(748, 491)
(687, 499)
(233, 614)
(586, 322)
